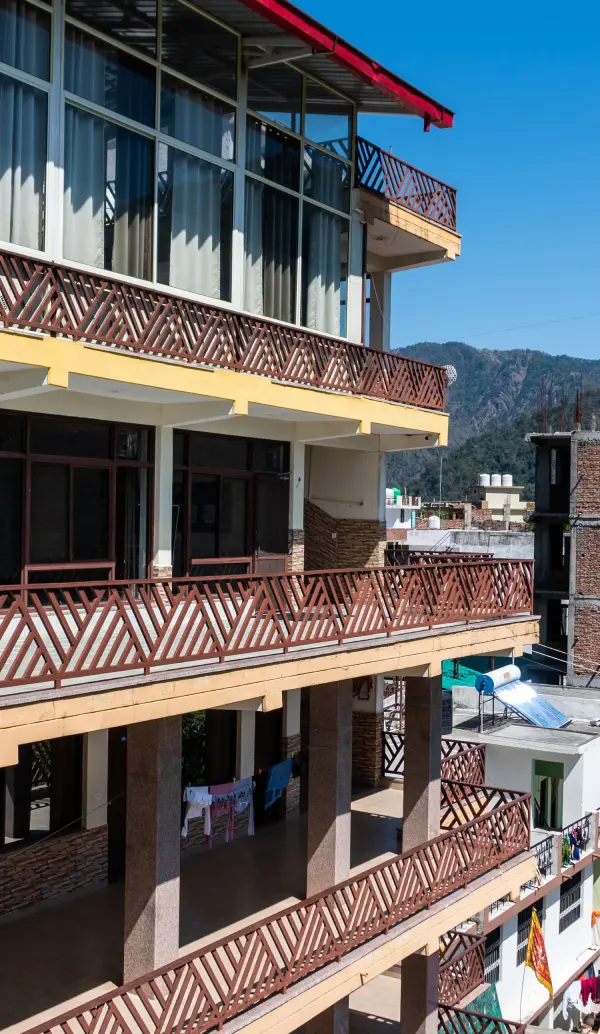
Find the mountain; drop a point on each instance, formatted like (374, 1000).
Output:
(493, 404)
(497, 386)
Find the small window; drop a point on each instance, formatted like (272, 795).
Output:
(328, 119)
(276, 92)
(198, 47)
(11, 432)
(272, 154)
(492, 956)
(326, 179)
(218, 453)
(548, 781)
(197, 118)
(50, 436)
(25, 38)
(570, 902)
(270, 457)
(107, 76)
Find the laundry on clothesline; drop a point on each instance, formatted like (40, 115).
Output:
(244, 800)
(590, 989)
(278, 778)
(571, 997)
(223, 803)
(596, 927)
(198, 801)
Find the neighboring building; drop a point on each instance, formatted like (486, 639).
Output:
(400, 510)
(192, 585)
(567, 552)
(497, 495)
(560, 769)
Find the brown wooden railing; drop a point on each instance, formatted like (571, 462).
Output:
(213, 985)
(58, 632)
(405, 185)
(462, 762)
(461, 1021)
(462, 957)
(462, 802)
(100, 309)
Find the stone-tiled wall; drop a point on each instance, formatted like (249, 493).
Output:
(367, 748)
(332, 543)
(38, 872)
(296, 549)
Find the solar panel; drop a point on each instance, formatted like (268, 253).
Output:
(522, 698)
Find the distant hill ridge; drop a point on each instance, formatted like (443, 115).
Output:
(492, 407)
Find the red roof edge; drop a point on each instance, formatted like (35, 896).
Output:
(299, 24)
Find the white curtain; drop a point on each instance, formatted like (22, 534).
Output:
(85, 187)
(322, 275)
(23, 111)
(271, 240)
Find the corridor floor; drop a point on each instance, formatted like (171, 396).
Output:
(71, 950)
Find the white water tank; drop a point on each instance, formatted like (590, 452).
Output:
(507, 480)
(484, 480)
(433, 522)
(496, 480)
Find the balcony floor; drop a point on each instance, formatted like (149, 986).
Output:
(71, 950)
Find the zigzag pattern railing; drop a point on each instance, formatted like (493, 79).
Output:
(462, 762)
(461, 1021)
(56, 632)
(460, 803)
(103, 310)
(213, 985)
(405, 185)
(462, 959)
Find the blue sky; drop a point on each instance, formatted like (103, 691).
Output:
(524, 81)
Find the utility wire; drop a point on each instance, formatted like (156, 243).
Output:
(61, 829)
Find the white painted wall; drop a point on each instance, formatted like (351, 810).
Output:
(512, 769)
(347, 484)
(591, 776)
(519, 992)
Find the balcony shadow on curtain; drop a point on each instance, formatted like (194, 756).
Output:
(271, 236)
(324, 245)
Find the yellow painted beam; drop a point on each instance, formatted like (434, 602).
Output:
(108, 708)
(62, 357)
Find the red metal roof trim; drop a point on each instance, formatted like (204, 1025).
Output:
(299, 24)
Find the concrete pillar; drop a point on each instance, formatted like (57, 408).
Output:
(419, 994)
(335, 1020)
(117, 795)
(245, 733)
(66, 781)
(162, 560)
(95, 779)
(329, 785)
(296, 513)
(152, 845)
(17, 801)
(422, 760)
(355, 297)
(380, 311)
(367, 731)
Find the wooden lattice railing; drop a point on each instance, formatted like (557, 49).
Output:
(462, 762)
(213, 985)
(100, 309)
(462, 802)
(461, 1021)
(59, 632)
(462, 957)
(405, 185)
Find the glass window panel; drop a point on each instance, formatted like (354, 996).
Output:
(203, 518)
(11, 521)
(328, 119)
(133, 444)
(217, 453)
(197, 118)
(199, 48)
(270, 457)
(25, 37)
(272, 503)
(91, 493)
(233, 517)
(131, 21)
(23, 153)
(271, 240)
(49, 514)
(326, 179)
(109, 77)
(179, 448)
(276, 93)
(55, 436)
(11, 432)
(272, 154)
(195, 224)
(324, 270)
(132, 522)
(108, 195)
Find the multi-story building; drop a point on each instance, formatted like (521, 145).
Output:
(567, 572)
(560, 769)
(499, 498)
(192, 450)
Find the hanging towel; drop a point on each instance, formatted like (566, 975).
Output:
(198, 802)
(596, 927)
(223, 803)
(244, 801)
(571, 997)
(589, 988)
(278, 778)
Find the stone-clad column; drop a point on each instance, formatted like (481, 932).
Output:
(421, 822)
(422, 760)
(329, 785)
(152, 845)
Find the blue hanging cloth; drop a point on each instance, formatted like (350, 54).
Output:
(278, 778)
